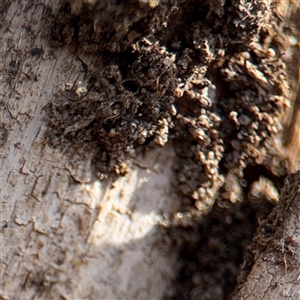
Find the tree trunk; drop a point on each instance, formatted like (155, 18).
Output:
(276, 251)
(65, 233)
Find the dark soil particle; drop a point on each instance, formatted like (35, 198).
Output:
(206, 74)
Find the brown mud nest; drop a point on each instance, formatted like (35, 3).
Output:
(206, 74)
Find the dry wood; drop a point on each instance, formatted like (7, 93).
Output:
(276, 250)
(276, 246)
(64, 233)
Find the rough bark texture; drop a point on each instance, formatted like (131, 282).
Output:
(65, 234)
(271, 268)
(68, 234)
(275, 251)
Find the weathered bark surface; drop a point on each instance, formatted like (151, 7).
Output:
(276, 250)
(65, 234)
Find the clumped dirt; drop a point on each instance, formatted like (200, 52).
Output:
(207, 74)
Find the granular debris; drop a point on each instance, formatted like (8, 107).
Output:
(207, 74)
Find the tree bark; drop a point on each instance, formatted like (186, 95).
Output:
(65, 233)
(276, 251)
(68, 235)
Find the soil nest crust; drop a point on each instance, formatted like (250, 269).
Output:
(207, 75)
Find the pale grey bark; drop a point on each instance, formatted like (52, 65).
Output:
(66, 234)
